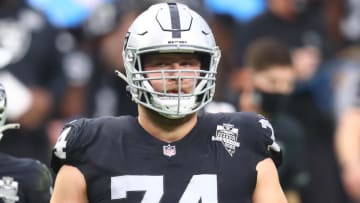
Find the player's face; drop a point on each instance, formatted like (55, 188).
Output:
(171, 64)
(277, 79)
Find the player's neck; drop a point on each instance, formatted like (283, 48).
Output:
(164, 129)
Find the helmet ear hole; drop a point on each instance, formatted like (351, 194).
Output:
(205, 60)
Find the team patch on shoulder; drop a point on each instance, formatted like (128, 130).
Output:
(228, 136)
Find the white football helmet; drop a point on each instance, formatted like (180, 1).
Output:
(3, 104)
(170, 28)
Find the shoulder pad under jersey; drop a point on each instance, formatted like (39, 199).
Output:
(262, 131)
(71, 143)
(40, 183)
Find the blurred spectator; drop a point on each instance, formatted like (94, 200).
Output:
(350, 21)
(94, 88)
(301, 27)
(272, 81)
(334, 11)
(29, 69)
(104, 46)
(223, 27)
(334, 86)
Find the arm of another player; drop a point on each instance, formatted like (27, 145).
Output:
(70, 186)
(347, 148)
(268, 189)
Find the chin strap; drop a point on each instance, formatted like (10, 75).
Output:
(121, 75)
(7, 127)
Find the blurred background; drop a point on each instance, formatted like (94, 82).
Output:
(295, 61)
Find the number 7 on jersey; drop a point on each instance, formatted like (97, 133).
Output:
(201, 187)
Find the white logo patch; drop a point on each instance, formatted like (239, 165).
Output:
(228, 136)
(169, 150)
(9, 190)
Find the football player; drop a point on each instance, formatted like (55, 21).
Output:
(169, 153)
(22, 180)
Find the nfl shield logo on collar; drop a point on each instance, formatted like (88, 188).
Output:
(169, 150)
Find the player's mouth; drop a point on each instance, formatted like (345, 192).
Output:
(175, 92)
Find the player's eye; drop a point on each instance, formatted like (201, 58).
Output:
(186, 63)
(162, 64)
(155, 66)
(190, 62)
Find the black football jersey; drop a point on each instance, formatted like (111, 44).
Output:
(215, 163)
(24, 180)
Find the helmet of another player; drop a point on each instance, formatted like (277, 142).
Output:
(170, 28)
(2, 105)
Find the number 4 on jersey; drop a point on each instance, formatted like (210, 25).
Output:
(266, 124)
(61, 144)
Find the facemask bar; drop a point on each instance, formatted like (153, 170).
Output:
(199, 75)
(143, 93)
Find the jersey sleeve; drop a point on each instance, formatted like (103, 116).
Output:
(71, 145)
(263, 137)
(40, 183)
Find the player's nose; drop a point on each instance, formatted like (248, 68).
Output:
(175, 65)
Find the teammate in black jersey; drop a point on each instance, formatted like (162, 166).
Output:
(169, 153)
(21, 180)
